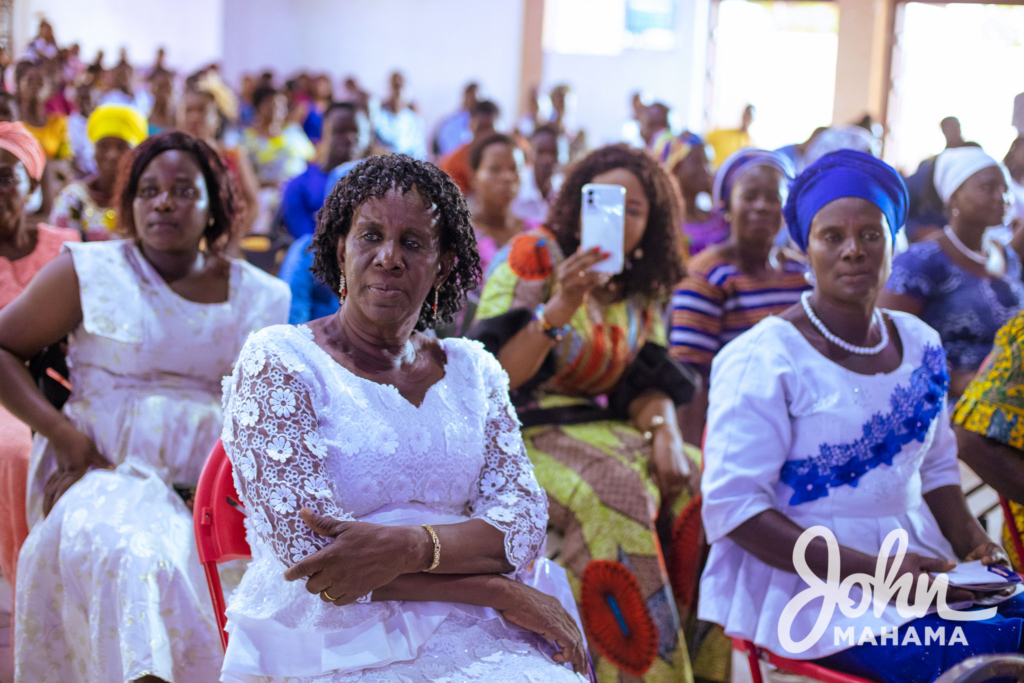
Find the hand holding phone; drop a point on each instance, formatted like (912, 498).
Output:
(602, 220)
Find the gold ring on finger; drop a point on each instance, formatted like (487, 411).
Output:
(327, 595)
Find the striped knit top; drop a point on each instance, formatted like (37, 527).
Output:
(717, 302)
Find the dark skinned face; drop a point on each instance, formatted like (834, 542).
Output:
(850, 250)
(392, 258)
(694, 172)
(755, 205)
(109, 152)
(545, 156)
(343, 136)
(201, 119)
(982, 199)
(172, 204)
(497, 179)
(15, 189)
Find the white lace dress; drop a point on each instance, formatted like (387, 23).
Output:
(109, 584)
(303, 431)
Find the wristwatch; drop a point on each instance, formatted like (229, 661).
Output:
(656, 421)
(556, 333)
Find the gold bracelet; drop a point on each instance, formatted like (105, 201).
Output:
(437, 548)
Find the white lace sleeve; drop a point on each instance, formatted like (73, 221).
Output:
(272, 436)
(507, 496)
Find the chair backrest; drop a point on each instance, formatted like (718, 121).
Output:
(218, 517)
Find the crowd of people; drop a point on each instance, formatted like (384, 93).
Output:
(464, 451)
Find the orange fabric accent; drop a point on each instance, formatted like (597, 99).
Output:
(456, 165)
(605, 583)
(15, 275)
(15, 449)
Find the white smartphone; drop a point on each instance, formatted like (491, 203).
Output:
(603, 224)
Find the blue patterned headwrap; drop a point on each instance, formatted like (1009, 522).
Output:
(746, 158)
(846, 173)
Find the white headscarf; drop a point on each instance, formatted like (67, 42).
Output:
(954, 166)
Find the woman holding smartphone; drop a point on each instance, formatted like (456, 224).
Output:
(596, 391)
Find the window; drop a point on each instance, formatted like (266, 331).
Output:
(608, 27)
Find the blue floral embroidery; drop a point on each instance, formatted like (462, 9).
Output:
(914, 407)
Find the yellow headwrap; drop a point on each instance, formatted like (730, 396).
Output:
(118, 121)
(670, 149)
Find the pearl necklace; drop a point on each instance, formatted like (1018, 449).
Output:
(991, 257)
(805, 300)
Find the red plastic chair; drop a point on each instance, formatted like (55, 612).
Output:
(1011, 525)
(755, 655)
(220, 529)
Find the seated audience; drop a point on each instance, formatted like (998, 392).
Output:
(590, 375)
(834, 414)
(346, 136)
(481, 123)
(24, 250)
(454, 130)
(88, 205)
(382, 525)
(397, 125)
(153, 324)
(685, 157)
(278, 151)
(962, 285)
(51, 129)
(732, 286)
(207, 109)
(540, 179)
(989, 424)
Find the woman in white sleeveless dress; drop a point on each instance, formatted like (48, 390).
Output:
(351, 433)
(110, 587)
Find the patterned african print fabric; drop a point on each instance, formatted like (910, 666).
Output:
(993, 405)
(602, 502)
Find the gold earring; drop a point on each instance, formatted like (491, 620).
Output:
(342, 288)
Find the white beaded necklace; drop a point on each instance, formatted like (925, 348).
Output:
(805, 300)
(991, 257)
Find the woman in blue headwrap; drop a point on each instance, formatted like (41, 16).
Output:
(732, 286)
(833, 415)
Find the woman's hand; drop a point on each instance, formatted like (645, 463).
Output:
(575, 280)
(989, 553)
(362, 557)
(918, 565)
(76, 454)
(542, 614)
(669, 467)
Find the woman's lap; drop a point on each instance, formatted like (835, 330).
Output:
(118, 548)
(919, 662)
(603, 504)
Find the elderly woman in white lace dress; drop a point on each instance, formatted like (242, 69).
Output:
(394, 517)
(109, 587)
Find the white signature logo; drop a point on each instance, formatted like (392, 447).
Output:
(878, 589)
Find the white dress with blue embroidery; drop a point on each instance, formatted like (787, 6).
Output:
(790, 430)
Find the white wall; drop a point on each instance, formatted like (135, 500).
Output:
(604, 84)
(438, 44)
(190, 30)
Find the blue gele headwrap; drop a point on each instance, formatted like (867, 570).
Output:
(739, 162)
(845, 173)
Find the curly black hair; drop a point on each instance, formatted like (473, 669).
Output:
(224, 206)
(373, 178)
(662, 265)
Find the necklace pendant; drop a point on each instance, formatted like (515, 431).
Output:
(995, 264)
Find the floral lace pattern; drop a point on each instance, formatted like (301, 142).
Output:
(914, 409)
(302, 431)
